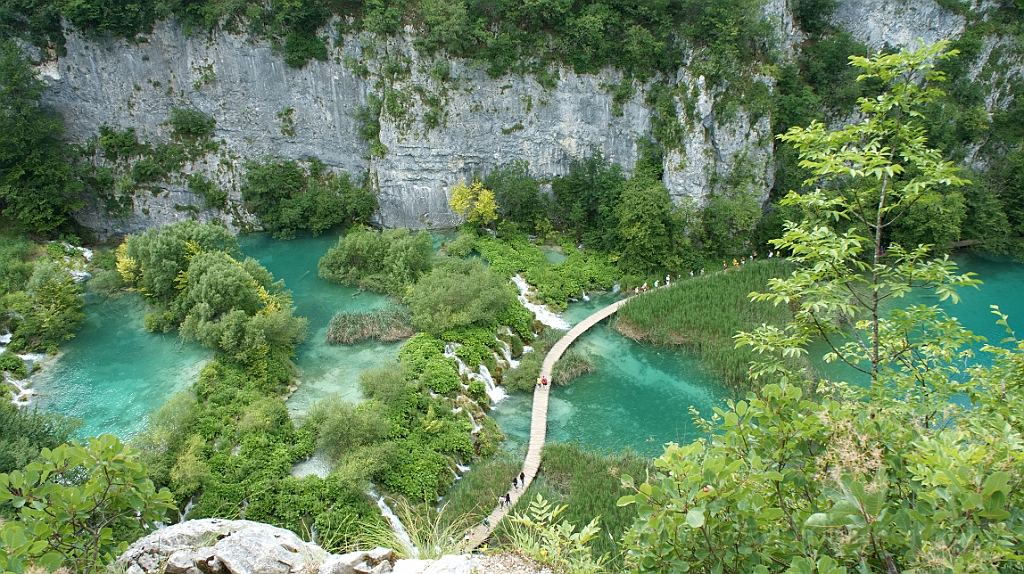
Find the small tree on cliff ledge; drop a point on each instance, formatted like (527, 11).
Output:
(474, 202)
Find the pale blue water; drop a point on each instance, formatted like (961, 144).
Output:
(113, 372)
(639, 396)
(1003, 285)
(324, 368)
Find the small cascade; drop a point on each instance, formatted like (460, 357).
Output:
(22, 394)
(188, 508)
(495, 392)
(585, 297)
(316, 464)
(541, 312)
(396, 524)
(616, 289)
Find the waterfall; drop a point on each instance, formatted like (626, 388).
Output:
(585, 298)
(23, 394)
(495, 392)
(396, 524)
(541, 312)
(188, 508)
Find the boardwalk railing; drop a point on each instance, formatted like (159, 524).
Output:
(538, 423)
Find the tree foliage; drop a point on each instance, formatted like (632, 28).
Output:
(286, 197)
(38, 187)
(892, 478)
(474, 202)
(459, 294)
(386, 261)
(75, 503)
(870, 174)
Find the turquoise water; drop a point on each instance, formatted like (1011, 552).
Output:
(639, 396)
(1002, 284)
(113, 372)
(324, 368)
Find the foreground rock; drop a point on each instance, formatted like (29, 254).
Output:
(214, 546)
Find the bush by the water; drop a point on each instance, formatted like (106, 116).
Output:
(386, 262)
(704, 314)
(460, 294)
(288, 197)
(388, 324)
(572, 364)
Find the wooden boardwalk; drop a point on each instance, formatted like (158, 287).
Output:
(538, 423)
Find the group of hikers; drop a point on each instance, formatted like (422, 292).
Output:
(725, 266)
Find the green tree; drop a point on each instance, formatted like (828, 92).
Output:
(78, 500)
(24, 432)
(898, 480)
(458, 293)
(517, 194)
(153, 261)
(47, 312)
(38, 189)
(385, 261)
(646, 228)
(869, 175)
(586, 198)
(474, 202)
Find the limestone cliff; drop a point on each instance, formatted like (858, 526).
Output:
(444, 127)
(447, 130)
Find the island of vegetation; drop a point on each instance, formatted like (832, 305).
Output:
(918, 469)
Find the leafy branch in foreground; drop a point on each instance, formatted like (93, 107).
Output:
(71, 503)
(866, 176)
(544, 537)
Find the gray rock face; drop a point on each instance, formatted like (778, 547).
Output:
(214, 546)
(478, 122)
(897, 23)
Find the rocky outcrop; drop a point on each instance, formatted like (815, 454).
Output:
(897, 23)
(215, 546)
(440, 131)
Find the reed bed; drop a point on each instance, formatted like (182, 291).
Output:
(589, 482)
(704, 313)
(387, 324)
(572, 364)
(476, 494)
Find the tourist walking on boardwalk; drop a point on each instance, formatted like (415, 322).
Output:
(515, 483)
(522, 478)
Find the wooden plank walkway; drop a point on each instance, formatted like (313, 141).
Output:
(538, 423)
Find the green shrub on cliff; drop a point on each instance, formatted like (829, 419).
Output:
(288, 197)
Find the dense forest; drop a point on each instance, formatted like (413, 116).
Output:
(795, 474)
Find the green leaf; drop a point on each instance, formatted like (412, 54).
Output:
(626, 500)
(997, 481)
(695, 518)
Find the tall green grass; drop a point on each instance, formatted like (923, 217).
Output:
(588, 482)
(704, 314)
(476, 493)
(572, 364)
(388, 324)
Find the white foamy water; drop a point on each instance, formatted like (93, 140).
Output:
(396, 524)
(543, 314)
